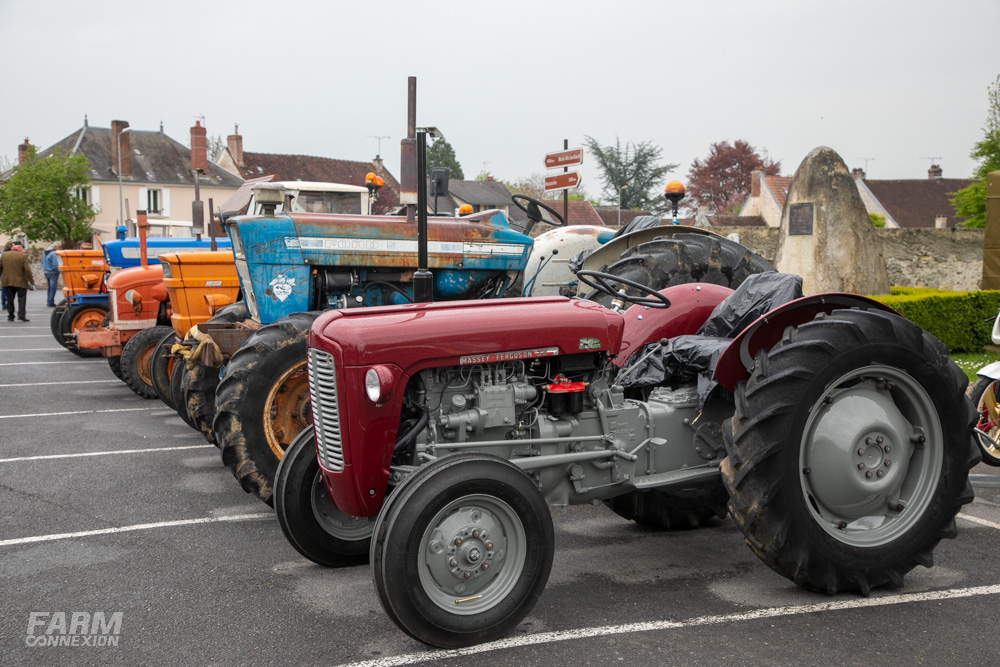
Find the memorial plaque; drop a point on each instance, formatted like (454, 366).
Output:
(800, 220)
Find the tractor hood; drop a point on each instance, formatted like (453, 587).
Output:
(422, 335)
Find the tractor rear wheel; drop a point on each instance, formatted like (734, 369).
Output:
(55, 318)
(82, 316)
(262, 402)
(135, 358)
(201, 381)
(683, 259)
(307, 515)
(161, 365)
(849, 451)
(672, 509)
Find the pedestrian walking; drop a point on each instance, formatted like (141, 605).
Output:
(16, 278)
(3, 292)
(50, 267)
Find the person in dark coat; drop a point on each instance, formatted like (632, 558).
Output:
(3, 292)
(16, 278)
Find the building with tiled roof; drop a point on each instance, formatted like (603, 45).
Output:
(156, 176)
(308, 168)
(767, 198)
(914, 202)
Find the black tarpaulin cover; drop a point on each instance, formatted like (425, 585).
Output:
(684, 358)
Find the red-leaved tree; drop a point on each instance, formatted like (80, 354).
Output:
(722, 181)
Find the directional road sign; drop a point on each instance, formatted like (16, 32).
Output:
(566, 158)
(570, 179)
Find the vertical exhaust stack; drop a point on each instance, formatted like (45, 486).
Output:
(142, 224)
(199, 165)
(408, 154)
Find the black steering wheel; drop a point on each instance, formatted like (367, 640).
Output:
(599, 282)
(531, 210)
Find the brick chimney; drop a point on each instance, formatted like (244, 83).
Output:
(941, 221)
(116, 129)
(22, 151)
(235, 145)
(934, 172)
(199, 148)
(858, 174)
(755, 183)
(379, 165)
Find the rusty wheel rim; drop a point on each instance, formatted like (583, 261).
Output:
(142, 363)
(287, 409)
(89, 319)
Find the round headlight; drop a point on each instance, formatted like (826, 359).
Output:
(373, 385)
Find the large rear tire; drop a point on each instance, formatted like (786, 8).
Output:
(176, 392)
(683, 259)
(200, 382)
(985, 395)
(849, 451)
(82, 316)
(462, 550)
(262, 402)
(135, 358)
(307, 515)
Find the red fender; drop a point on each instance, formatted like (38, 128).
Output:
(736, 362)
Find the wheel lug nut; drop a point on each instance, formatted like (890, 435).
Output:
(458, 541)
(453, 562)
(861, 451)
(861, 466)
(869, 441)
(485, 566)
(887, 448)
(869, 474)
(489, 545)
(467, 574)
(475, 533)
(879, 473)
(842, 525)
(880, 440)
(806, 471)
(888, 462)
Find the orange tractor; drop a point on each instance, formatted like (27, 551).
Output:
(82, 274)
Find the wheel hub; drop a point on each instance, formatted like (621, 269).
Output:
(466, 551)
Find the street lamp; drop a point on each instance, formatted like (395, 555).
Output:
(121, 201)
(620, 204)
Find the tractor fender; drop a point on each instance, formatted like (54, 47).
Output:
(990, 371)
(690, 305)
(737, 360)
(547, 270)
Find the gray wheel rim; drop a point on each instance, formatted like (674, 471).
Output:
(472, 555)
(334, 522)
(871, 456)
(988, 444)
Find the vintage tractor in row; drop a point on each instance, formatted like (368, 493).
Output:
(82, 272)
(292, 267)
(834, 431)
(135, 300)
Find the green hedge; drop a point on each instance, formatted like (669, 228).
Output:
(961, 320)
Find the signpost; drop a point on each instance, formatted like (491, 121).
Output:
(570, 179)
(565, 158)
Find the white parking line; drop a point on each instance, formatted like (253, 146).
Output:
(141, 526)
(82, 412)
(650, 626)
(36, 349)
(42, 384)
(981, 522)
(41, 363)
(45, 457)
(26, 336)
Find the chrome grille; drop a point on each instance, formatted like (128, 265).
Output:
(248, 295)
(326, 413)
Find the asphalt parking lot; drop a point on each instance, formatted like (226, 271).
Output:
(120, 525)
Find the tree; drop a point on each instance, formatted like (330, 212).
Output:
(970, 202)
(40, 199)
(722, 181)
(215, 147)
(441, 154)
(633, 173)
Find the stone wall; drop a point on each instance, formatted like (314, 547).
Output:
(948, 259)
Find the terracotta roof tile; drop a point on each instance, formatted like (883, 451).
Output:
(778, 185)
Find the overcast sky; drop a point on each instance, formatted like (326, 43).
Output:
(898, 82)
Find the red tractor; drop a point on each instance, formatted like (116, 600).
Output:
(838, 438)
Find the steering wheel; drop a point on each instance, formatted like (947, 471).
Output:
(531, 210)
(599, 281)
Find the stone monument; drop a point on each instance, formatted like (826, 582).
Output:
(826, 235)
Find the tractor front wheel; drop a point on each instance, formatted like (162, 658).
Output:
(985, 395)
(135, 358)
(307, 515)
(82, 316)
(262, 402)
(462, 550)
(161, 365)
(849, 451)
(54, 320)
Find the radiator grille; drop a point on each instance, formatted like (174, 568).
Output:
(326, 413)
